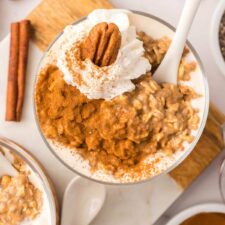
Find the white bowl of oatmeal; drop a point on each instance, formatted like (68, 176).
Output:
(27, 198)
(131, 129)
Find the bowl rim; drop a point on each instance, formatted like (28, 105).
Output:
(214, 36)
(38, 169)
(196, 209)
(180, 159)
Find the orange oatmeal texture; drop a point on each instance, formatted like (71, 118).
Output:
(120, 133)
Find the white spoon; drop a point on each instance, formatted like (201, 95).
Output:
(6, 167)
(82, 201)
(167, 71)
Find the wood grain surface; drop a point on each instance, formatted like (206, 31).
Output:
(51, 16)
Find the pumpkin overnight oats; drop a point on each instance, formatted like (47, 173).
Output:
(23, 200)
(96, 99)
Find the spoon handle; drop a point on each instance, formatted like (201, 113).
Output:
(6, 167)
(172, 58)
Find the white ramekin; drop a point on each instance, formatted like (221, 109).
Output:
(214, 36)
(194, 210)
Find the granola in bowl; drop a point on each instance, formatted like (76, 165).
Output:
(131, 134)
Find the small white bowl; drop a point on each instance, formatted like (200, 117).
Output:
(203, 208)
(214, 35)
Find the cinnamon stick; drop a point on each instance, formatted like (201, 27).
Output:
(12, 87)
(22, 65)
(19, 44)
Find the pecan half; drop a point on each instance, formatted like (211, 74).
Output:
(102, 44)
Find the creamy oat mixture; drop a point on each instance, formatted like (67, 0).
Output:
(23, 200)
(20, 200)
(118, 135)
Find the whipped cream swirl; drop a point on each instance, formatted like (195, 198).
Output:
(109, 81)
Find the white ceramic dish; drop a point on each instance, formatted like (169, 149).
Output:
(203, 208)
(50, 205)
(214, 36)
(156, 28)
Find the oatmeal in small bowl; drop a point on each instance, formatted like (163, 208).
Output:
(101, 112)
(26, 195)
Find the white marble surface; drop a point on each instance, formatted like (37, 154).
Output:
(205, 189)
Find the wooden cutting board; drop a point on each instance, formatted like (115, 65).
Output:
(51, 16)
